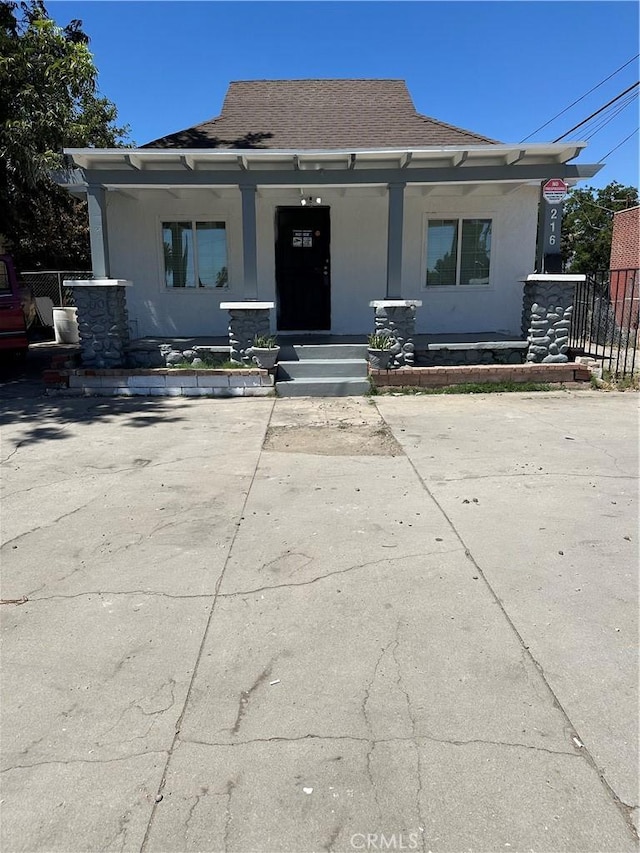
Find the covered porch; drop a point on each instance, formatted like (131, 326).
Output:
(376, 204)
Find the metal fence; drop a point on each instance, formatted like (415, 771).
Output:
(606, 318)
(51, 283)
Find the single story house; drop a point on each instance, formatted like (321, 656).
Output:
(319, 196)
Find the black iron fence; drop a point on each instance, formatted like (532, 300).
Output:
(50, 283)
(605, 320)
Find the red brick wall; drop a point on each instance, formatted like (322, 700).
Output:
(625, 244)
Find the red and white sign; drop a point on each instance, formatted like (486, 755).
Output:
(554, 190)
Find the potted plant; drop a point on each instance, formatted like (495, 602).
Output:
(264, 351)
(380, 351)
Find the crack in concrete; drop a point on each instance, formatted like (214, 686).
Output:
(216, 594)
(595, 447)
(582, 751)
(102, 592)
(135, 704)
(367, 740)
(50, 523)
(498, 743)
(171, 683)
(123, 822)
(204, 790)
(97, 471)
(413, 722)
(369, 724)
(338, 572)
(13, 452)
(66, 761)
(145, 734)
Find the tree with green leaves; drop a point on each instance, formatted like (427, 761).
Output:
(48, 100)
(587, 225)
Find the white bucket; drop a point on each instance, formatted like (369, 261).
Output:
(65, 325)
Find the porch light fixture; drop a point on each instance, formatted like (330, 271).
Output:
(310, 201)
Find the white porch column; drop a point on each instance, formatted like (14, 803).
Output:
(394, 240)
(249, 256)
(97, 204)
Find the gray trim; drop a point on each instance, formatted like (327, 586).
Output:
(97, 204)
(320, 177)
(394, 240)
(249, 254)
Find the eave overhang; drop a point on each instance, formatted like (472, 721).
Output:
(147, 168)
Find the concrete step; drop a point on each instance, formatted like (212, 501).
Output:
(322, 368)
(302, 352)
(331, 387)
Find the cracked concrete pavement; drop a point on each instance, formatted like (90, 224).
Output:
(427, 635)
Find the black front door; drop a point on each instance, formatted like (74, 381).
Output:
(303, 280)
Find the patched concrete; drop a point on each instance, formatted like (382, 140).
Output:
(228, 647)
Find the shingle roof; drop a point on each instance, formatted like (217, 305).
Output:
(316, 114)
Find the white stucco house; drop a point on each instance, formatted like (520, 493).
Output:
(319, 196)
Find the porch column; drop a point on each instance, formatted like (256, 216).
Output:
(97, 204)
(103, 323)
(394, 240)
(248, 192)
(548, 302)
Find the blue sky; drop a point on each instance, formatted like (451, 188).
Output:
(501, 69)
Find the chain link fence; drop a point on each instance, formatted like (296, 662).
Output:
(50, 283)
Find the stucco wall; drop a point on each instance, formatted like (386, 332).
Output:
(496, 308)
(358, 258)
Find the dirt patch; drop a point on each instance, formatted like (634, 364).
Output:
(333, 440)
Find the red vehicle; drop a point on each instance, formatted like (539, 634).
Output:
(17, 309)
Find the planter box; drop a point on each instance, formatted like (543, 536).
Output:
(161, 382)
(438, 377)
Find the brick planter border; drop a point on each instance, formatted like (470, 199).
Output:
(161, 382)
(438, 377)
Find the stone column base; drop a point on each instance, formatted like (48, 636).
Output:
(246, 320)
(397, 318)
(548, 301)
(103, 323)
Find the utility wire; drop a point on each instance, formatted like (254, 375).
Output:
(595, 131)
(618, 145)
(581, 98)
(607, 119)
(597, 112)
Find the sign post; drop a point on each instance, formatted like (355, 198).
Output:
(548, 257)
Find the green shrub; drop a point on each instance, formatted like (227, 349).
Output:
(265, 342)
(380, 342)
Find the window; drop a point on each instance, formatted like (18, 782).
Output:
(458, 252)
(195, 254)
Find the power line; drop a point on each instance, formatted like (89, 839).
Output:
(597, 112)
(607, 119)
(581, 98)
(618, 145)
(593, 126)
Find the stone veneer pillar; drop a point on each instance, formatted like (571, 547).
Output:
(246, 320)
(103, 323)
(397, 318)
(546, 316)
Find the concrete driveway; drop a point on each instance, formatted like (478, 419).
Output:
(334, 625)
